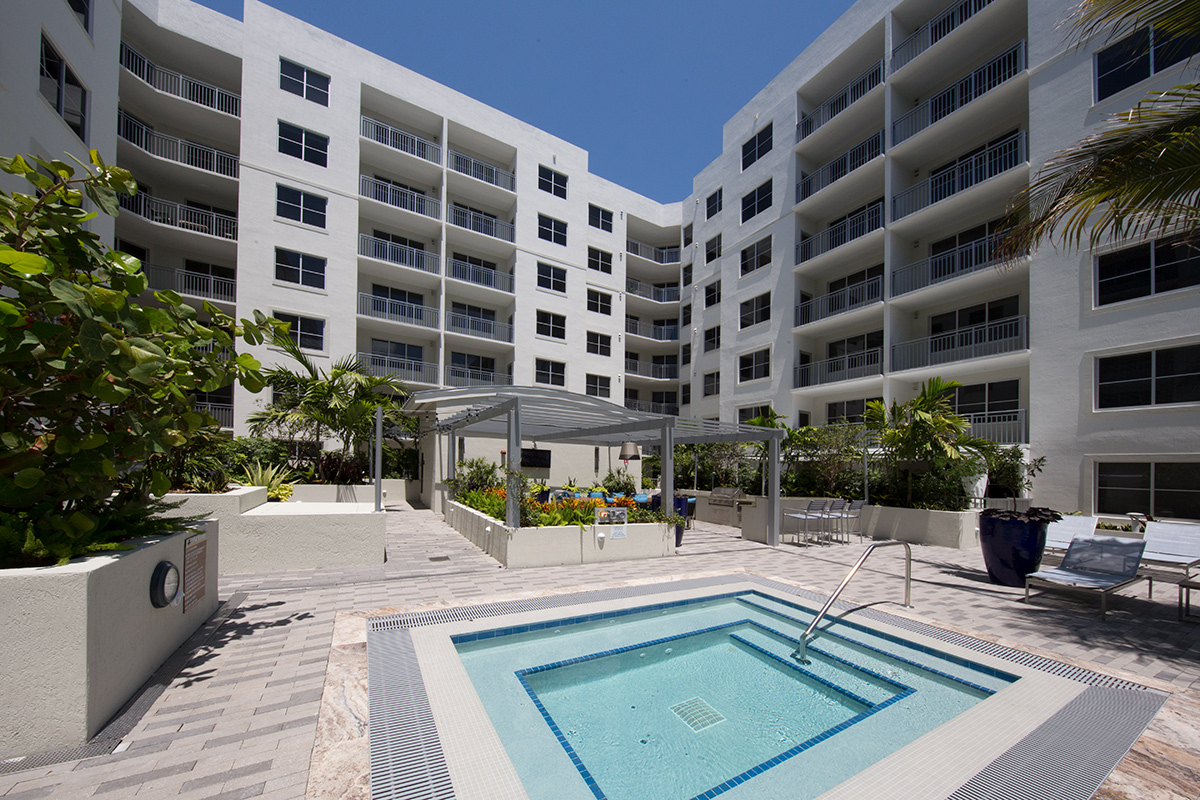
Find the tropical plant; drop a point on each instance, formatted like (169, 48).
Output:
(827, 460)
(762, 450)
(277, 478)
(1010, 472)
(619, 482)
(473, 475)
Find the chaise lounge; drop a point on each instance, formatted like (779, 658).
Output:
(1100, 564)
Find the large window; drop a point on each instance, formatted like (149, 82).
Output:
(1160, 489)
(552, 277)
(553, 182)
(712, 383)
(756, 201)
(599, 260)
(685, 354)
(685, 394)
(304, 144)
(1157, 377)
(301, 206)
(599, 343)
(687, 234)
(300, 268)
(63, 90)
(685, 315)
(307, 332)
(712, 293)
(756, 310)
(754, 412)
(847, 411)
(712, 205)
(986, 398)
(303, 81)
(552, 230)
(549, 324)
(685, 275)
(599, 302)
(757, 146)
(1137, 57)
(83, 10)
(598, 385)
(756, 256)
(712, 338)
(413, 353)
(1147, 269)
(712, 249)
(549, 372)
(600, 218)
(753, 366)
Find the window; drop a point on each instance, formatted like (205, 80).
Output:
(599, 302)
(552, 278)
(756, 201)
(1137, 57)
(753, 366)
(63, 90)
(304, 144)
(483, 367)
(712, 249)
(852, 345)
(712, 383)
(549, 324)
(1154, 378)
(686, 275)
(304, 82)
(685, 315)
(552, 230)
(687, 234)
(847, 411)
(300, 268)
(1160, 489)
(685, 394)
(307, 332)
(756, 310)
(757, 146)
(802, 419)
(553, 182)
(756, 256)
(685, 354)
(301, 206)
(599, 385)
(754, 412)
(712, 205)
(599, 260)
(83, 10)
(599, 343)
(987, 398)
(553, 373)
(414, 353)
(1147, 269)
(600, 218)
(712, 338)
(712, 293)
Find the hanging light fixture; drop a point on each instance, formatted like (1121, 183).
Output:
(629, 452)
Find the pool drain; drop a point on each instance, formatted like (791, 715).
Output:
(697, 714)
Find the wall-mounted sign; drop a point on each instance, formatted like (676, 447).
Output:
(195, 562)
(616, 517)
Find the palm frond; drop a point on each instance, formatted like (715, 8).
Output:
(1115, 19)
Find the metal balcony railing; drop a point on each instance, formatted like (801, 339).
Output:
(962, 260)
(1001, 427)
(400, 198)
(992, 161)
(476, 326)
(483, 171)
(839, 368)
(223, 354)
(462, 376)
(935, 29)
(839, 302)
(648, 369)
(400, 140)
(1007, 65)
(670, 409)
(400, 254)
(481, 276)
(397, 311)
(868, 80)
(660, 255)
(180, 85)
(221, 412)
(164, 212)
(662, 333)
(194, 284)
(482, 223)
(841, 166)
(178, 150)
(840, 233)
(977, 341)
(409, 371)
(659, 294)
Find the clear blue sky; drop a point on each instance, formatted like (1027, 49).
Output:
(643, 85)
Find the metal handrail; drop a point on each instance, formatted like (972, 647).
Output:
(839, 302)
(400, 140)
(839, 167)
(840, 233)
(481, 223)
(482, 171)
(843, 99)
(399, 197)
(481, 276)
(177, 215)
(659, 294)
(659, 255)
(931, 32)
(964, 173)
(811, 632)
(174, 149)
(172, 82)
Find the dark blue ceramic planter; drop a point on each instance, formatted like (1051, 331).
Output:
(1011, 549)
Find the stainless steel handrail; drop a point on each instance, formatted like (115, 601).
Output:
(810, 633)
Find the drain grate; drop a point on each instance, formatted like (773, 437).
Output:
(697, 713)
(439, 558)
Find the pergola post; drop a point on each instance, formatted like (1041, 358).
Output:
(513, 504)
(667, 479)
(774, 507)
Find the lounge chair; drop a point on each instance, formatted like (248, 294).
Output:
(1173, 543)
(1101, 564)
(1060, 534)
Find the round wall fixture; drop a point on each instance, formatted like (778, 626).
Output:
(164, 584)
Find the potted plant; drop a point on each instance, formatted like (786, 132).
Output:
(1012, 542)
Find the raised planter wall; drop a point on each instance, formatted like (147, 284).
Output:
(956, 529)
(357, 493)
(754, 517)
(77, 641)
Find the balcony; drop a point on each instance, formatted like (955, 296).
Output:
(399, 197)
(659, 255)
(841, 166)
(661, 333)
(221, 412)
(993, 160)
(839, 302)
(170, 82)
(671, 409)
(483, 171)
(977, 341)
(1007, 65)
(400, 140)
(194, 284)
(659, 294)
(835, 105)
(396, 311)
(178, 150)
(164, 212)
(963, 260)
(480, 276)
(400, 254)
(840, 233)
(482, 223)
(462, 376)
(408, 371)
(1001, 427)
(929, 33)
(648, 369)
(839, 368)
(477, 326)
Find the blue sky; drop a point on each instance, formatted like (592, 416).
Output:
(643, 85)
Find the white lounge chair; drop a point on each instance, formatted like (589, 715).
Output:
(1059, 534)
(1100, 564)
(1174, 543)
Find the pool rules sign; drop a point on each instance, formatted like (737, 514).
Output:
(195, 559)
(616, 517)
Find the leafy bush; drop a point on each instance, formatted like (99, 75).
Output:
(619, 482)
(474, 474)
(1009, 474)
(276, 477)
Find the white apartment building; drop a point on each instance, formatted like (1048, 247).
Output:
(838, 250)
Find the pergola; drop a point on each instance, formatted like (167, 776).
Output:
(540, 415)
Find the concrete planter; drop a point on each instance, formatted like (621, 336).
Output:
(77, 641)
(754, 517)
(956, 529)
(358, 493)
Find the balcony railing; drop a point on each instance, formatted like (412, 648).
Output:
(400, 140)
(400, 254)
(872, 77)
(399, 197)
(659, 294)
(962, 260)
(462, 376)
(660, 255)
(381, 366)
(841, 166)
(670, 409)
(483, 171)
(840, 233)
(648, 369)
(839, 368)
(221, 412)
(839, 302)
(180, 85)
(935, 29)
(370, 305)
(481, 276)
(662, 333)
(1004, 66)
(178, 150)
(164, 212)
(476, 326)
(482, 223)
(1001, 427)
(194, 284)
(977, 341)
(990, 162)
